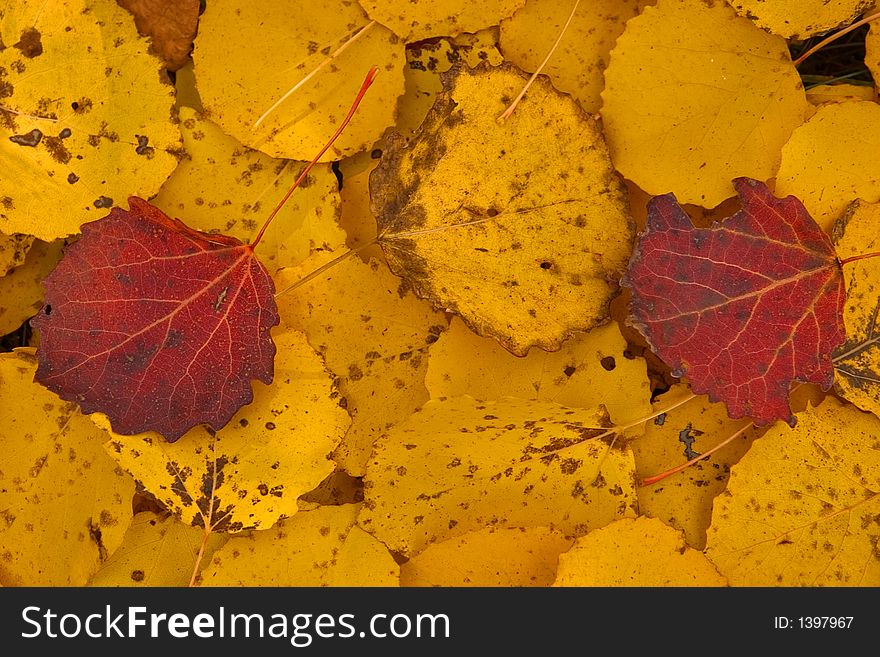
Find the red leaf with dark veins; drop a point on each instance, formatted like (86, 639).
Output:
(159, 326)
(743, 308)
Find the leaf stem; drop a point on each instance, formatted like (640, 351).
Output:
(28, 116)
(846, 261)
(619, 428)
(835, 36)
(200, 556)
(357, 35)
(512, 106)
(357, 101)
(327, 265)
(658, 477)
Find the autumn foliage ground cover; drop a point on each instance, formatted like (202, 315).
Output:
(652, 262)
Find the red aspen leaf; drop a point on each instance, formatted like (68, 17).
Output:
(159, 326)
(743, 308)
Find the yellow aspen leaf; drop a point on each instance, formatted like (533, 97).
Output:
(85, 118)
(477, 47)
(356, 220)
(802, 508)
(872, 51)
(684, 500)
(857, 361)
(460, 465)
(590, 369)
(321, 547)
(21, 290)
(425, 62)
(705, 90)
(157, 550)
(831, 160)
(185, 85)
(228, 188)
(373, 333)
(516, 227)
(64, 506)
(13, 249)
(420, 19)
(243, 68)
(635, 552)
(800, 19)
(249, 474)
(580, 59)
(839, 93)
(514, 556)
(339, 488)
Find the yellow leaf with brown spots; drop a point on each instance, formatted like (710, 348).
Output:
(578, 63)
(21, 290)
(249, 55)
(635, 552)
(857, 361)
(321, 547)
(85, 115)
(250, 473)
(64, 505)
(157, 550)
(516, 227)
(460, 465)
(802, 508)
(373, 333)
(801, 19)
(515, 556)
(684, 500)
(590, 369)
(13, 249)
(227, 188)
(416, 20)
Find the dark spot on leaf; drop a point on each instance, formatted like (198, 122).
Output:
(103, 202)
(570, 370)
(30, 139)
(143, 147)
(47, 309)
(270, 426)
(608, 363)
(30, 43)
(243, 422)
(64, 134)
(57, 150)
(137, 575)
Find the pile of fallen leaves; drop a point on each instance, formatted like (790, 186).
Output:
(481, 393)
